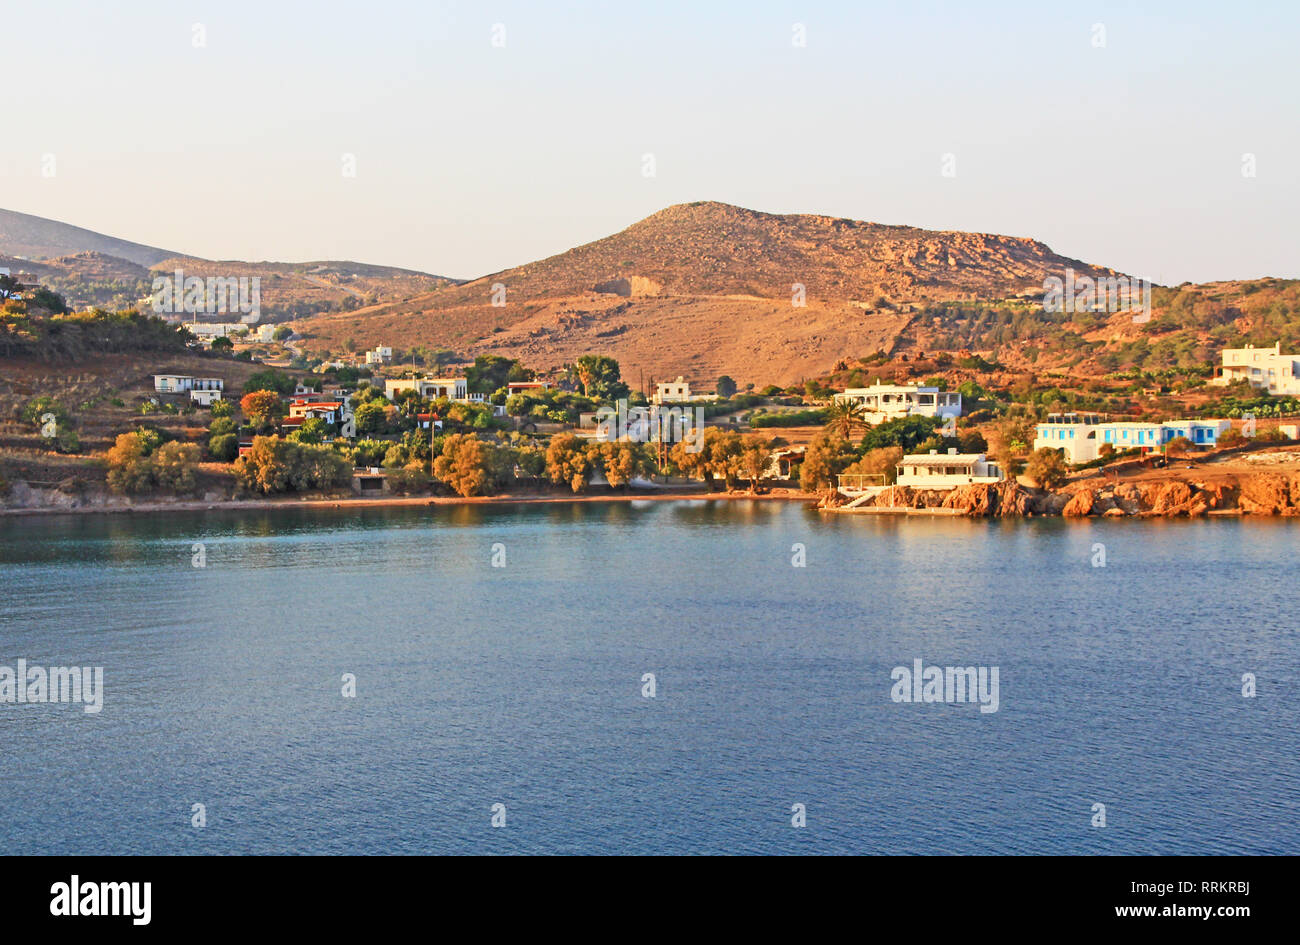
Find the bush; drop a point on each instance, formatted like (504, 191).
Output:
(568, 461)
(795, 418)
(174, 465)
(407, 479)
(277, 465)
(139, 462)
(223, 447)
(465, 464)
(1047, 468)
(271, 380)
(129, 469)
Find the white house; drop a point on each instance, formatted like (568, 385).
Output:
(1080, 437)
(1148, 436)
(379, 355)
(935, 470)
(202, 390)
(180, 383)
(669, 392)
(1265, 368)
(891, 401)
(430, 388)
(1074, 434)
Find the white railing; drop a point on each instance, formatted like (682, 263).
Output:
(860, 482)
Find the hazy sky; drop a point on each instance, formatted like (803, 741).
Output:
(472, 157)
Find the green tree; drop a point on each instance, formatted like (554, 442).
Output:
(1046, 467)
(844, 418)
(755, 457)
(52, 302)
(269, 379)
(725, 387)
(372, 417)
(313, 430)
(599, 377)
(129, 469)
(263, 409)
(465, 464)
(826, 456)
(621, 461)
(568, 461)
(491, 371)
(174, 466)
(223, 447)
(275, 465)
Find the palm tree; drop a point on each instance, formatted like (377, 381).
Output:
(844, 417)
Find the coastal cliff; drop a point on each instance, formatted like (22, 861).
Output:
(1265, 493)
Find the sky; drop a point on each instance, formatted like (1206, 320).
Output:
(464, 138)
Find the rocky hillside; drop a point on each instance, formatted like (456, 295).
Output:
(707, 288)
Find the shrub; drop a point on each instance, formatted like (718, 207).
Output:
(277, 465)
(174, 465)
(1047, 468)
(567, 461)
(223, 447)
(465, 464)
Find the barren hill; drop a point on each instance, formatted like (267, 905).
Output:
(706, 288)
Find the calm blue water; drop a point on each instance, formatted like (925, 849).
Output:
(521, 684)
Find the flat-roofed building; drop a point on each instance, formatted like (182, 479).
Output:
(890, 401)
(1074, 434)
(430, 388)
(1264, 368)
(935, 470)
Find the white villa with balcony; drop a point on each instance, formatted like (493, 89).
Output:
(202, 390)
(430, 388)
(1265, 368)
(890, 401)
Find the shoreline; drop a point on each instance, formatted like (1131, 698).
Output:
(202, 505)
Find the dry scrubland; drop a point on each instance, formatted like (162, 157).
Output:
(705, 289)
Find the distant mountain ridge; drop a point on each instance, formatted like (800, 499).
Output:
(90, 269)
(22, 234)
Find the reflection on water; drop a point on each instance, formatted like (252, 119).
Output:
(522, 684)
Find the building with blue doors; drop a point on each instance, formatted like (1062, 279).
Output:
(1080, 437)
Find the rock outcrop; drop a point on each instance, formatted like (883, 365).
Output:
(1080, 504)
(1265, 493)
